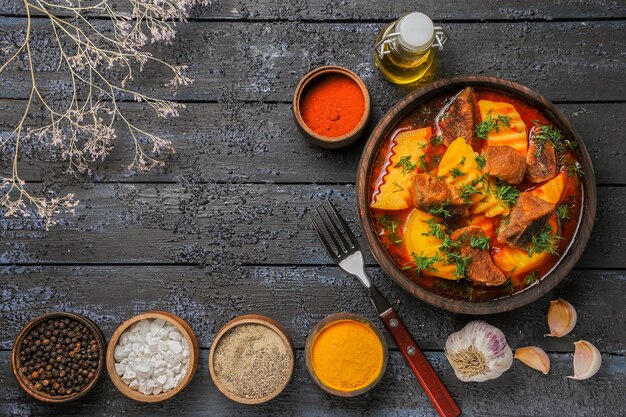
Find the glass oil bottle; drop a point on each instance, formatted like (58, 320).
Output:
(405, 49)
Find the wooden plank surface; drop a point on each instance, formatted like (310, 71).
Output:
(208, 297)
(256, 61)
(221, 230)
(226, 224)
(356, 10)
(397, 394)
(259, 142)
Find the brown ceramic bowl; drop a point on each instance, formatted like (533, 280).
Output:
(572, 252)
(326, 141)
(324, 323)
(248, 319)
(25, 384)
(194, 355)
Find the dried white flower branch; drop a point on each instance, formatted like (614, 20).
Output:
(83, 129)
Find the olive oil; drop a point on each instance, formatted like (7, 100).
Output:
(405, 49)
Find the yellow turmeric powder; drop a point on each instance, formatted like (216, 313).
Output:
(347, 355)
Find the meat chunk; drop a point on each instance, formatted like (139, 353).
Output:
(540, 161)
(430, 192)
(505, 163)
(480, 268)
(528, 216)
(460, 118)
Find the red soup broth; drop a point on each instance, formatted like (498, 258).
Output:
(424, 116)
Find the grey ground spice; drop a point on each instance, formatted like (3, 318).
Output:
(251, 361)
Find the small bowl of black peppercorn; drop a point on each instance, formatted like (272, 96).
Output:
(58, 357)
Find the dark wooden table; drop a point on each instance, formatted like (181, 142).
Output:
(221, 230)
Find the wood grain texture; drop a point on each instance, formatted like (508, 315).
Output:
(225, 224)
(397, 394)
(297, 297)
(233, 61)
(259, 142)
(328, 10)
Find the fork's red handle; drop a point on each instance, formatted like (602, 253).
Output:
(423, 371)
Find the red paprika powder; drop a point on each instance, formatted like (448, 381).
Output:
(332, 105)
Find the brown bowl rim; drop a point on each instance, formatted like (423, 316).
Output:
(324, 323)
(571, 254)
(248, 319)
(327, 141)
(44, 317)
(194, 354)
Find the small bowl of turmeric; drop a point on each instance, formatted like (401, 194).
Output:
(331, 106)
(346, 354)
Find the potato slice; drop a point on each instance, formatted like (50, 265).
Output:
(553, 190)
(514, 262)
(395, 191)
(514, 136)
(418, 241)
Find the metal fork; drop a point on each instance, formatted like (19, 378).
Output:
(345, 250)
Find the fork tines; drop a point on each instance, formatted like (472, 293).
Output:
(334, 233)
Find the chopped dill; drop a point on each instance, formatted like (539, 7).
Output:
(479, 242)
(490, 123)
(575, 169)
(506, 193)
(544, 134)
(405, 163)
(531, 278)
(481, 161)
(422, 162)
(467, 191)
(563, 211)
(462, 161)
(436, 140)
(391, 224)
(544, 241)
(425, 263)
(441, 211)
(436, 229)
(455, 173)
(398, 186)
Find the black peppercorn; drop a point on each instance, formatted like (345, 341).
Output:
(53, 359)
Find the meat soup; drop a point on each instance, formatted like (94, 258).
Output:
(476, 195)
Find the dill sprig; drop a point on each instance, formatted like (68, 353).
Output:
(425, 263)
(436, 140)
(406, 164)
(544, 241)
(544, 134)
(563, 211)
(467, 191)
(455, 173)
(531, 278)
(441, 210)
(391, 225)
(575, 169)
(435, 229)
(506, 193)
(490, 123)
(481, 161)
(479, 242)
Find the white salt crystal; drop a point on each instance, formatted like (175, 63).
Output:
(152, 356)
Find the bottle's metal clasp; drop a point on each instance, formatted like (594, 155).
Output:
(386, 39)
(440, 38)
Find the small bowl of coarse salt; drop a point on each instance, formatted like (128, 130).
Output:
(152, 357)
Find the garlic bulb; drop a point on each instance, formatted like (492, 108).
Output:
(587, 360)
(561, 318)
(534, 357)
(478, 352)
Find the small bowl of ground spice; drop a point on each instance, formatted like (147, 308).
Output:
(331, 106)
(152, 357)
(346, 354)
(58, 357)
(251, 359)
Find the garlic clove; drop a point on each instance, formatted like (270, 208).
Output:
(561, 318)
(534, 357)
(587, 360)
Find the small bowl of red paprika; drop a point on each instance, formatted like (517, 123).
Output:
(331, 106)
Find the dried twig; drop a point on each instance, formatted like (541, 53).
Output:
(83, 129)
